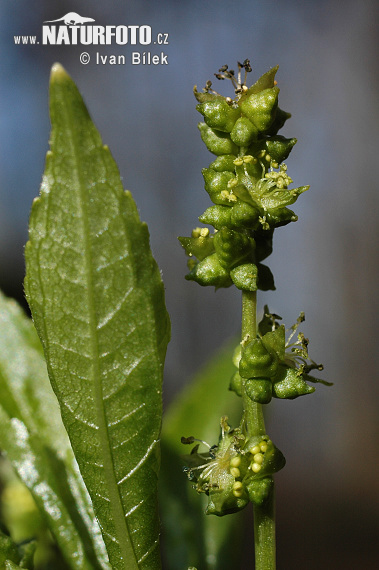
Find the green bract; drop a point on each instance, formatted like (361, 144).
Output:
(247, 183)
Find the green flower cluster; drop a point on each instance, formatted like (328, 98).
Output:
(237, 470)
(269, 366)
(248, 183)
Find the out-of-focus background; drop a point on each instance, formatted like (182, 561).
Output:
(326, 264)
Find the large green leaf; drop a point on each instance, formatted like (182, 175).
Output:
(191, 537)
(97, 301)
(43, 456)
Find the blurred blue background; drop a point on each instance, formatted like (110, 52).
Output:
(326, 264)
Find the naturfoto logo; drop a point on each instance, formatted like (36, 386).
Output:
(73, 31)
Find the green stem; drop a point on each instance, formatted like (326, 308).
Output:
(264, 515)
(264, 534)
(253, 414)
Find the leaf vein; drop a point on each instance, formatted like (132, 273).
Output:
(114, 311)
(140, 463)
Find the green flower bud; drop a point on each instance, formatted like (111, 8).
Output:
(237, 355)
(224, 163)
(218, 114)
(275, 342)
(216, 184)
(236, 384)
(226, 502)
(218, 216)
(210, 272)
(244, 132)
(245, 276)
(199, 247)
(280, 217)
(257, 361)
(279, 147)
(244, 215)
(260, 490)
(232, 247)
(280, 118)
(216, 141)
(265, 459)
(265, 278)
(289, 384)
(259, 390)
(261, 107)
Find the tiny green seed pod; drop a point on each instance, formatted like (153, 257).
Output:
(275, 341)
(237, 355)
(257, 361)
(199, 247)
(244, 215)
(278, 217)
(216, 141)
(261, 107)
(280, 118)
(232, 247)
(216, 184)
(289, 384)
(245, 277)
(244, 132)
(218, 114)
(279, 147)
(259, 390)
(227, 502)
(265, 278)
(259, 490)
(224, 163)
(236, 384)
(218, 216)
(210, 272)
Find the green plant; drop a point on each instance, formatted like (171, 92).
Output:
(89, 456)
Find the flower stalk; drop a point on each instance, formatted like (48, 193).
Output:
(249, 187)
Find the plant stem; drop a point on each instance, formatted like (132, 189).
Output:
(264, 515)
(253, 414)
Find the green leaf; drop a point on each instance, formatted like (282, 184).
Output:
(98, 305)
(27, 401)
(191, 537)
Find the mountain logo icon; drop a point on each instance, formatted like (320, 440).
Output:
(71, 19)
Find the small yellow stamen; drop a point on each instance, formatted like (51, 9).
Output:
(204, 232)
(263, 446)
(238, 489)
(255, 449)
(235, 461)
(258, 458)
(238, 161)
(228, 196)
(235, 472)
(196, 232)
(256, 467)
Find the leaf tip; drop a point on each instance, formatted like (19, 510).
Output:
(58, 73)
